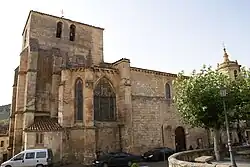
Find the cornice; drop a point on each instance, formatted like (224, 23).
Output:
(228, 64)
(95, 69)
(153, 72)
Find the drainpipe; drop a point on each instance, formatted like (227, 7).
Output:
(120, 136)
(162, 134)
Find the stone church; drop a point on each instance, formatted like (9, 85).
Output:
(67, 98)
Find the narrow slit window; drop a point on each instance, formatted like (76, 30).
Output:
(79, 100)
(168, 91)
(72, 32)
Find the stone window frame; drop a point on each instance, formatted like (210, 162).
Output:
(79, 103)
(59, 27)
(110, 96)
(168, 92)
(2, 143)
(72, 32)
(39, 138)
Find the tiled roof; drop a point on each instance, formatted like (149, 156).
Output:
(44, 125)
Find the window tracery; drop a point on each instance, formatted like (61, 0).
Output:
(104, 101)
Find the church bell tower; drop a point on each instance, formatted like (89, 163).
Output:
(232, 68)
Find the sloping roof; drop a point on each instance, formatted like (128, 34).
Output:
(43, 124)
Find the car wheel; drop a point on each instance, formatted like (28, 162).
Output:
(8, 166)
(40, 165)
(105, 165)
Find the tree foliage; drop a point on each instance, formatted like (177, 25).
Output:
(199, 101)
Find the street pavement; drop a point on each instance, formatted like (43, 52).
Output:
(239, 164)
(158, 164)
(150, 164)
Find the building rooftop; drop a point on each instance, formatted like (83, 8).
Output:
(40, 13)
(44, 124)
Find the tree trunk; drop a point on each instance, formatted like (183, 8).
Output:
(239, 131)
(208, 137)
(217, 144)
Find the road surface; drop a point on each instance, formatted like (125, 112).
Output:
(152, 164)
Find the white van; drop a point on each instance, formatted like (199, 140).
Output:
(31, 158)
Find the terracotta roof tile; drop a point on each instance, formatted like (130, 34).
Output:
(44, 125)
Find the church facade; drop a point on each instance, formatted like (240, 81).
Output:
(65, 97)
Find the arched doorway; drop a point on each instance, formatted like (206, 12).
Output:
(180, 139)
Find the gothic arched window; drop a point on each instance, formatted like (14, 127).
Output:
(59, 29)
(79, 100)
(168, 91)
(72, 32)
(104, 101)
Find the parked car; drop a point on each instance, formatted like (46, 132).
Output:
(158, 154)
(31, 157)
(116, 159)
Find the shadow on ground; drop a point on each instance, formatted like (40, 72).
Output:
(149, 164)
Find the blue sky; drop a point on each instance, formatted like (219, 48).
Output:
(165, 35)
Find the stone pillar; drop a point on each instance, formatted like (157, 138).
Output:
(66, 103)
(30, 86)
(56, 78)
(12, 115)
(20, 90)
(88, 99)
(125, 104)
(18, 131)
(90, 133)
(54, 93)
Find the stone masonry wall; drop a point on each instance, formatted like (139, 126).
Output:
(43, 27)
(146, 123)
(85, 137)
(52, 140)
(107, 138)
(152, 113)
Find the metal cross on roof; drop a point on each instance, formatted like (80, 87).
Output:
(62, 13)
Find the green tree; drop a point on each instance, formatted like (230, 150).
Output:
(238, 100)
(200, 104)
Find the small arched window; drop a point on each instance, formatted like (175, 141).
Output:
(235, 73)
(79, 100)
(72, 32)
(59, 29)
(168, 91)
